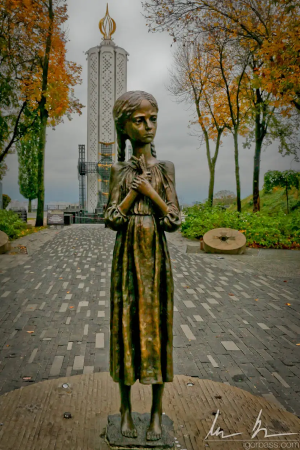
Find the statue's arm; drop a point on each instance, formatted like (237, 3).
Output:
(169, 209)
(158, 201)
(115, 213)
(126, 204)
(172, 220)
(141, 184)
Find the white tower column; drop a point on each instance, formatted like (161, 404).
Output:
(107, 80)
(93, 126)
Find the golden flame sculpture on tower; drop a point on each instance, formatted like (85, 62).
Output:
(107, 25)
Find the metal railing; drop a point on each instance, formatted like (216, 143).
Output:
(61, 207)
(87, 218)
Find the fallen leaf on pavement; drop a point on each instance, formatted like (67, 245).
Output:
(288, 304)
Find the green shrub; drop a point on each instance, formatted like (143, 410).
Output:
(295, 205)
(5, 200)
(261, 230)
(11, 224)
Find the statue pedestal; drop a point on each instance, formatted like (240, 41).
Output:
(116, 440)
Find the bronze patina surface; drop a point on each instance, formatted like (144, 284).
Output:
(142, 204)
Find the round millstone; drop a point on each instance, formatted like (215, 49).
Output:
(5, 245)
(224, 240)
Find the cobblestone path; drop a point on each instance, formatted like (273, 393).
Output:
(231, 325)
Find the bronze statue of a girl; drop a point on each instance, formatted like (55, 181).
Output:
(142, 204)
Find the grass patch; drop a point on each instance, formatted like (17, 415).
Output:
(30, 231)
(261, 229)
(273, 202)
(14, 227)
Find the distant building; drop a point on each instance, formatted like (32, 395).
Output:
(107, 80)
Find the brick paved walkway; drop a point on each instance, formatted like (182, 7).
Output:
(231, 324)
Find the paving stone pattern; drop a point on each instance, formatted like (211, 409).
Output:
(231, 324)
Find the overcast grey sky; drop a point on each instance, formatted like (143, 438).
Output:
(150, 58)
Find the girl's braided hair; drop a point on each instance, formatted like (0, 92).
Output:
(125, 105)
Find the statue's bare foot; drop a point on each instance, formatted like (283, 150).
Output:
(154, 431)
(127, 426)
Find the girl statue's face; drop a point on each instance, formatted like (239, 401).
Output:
(142, 124)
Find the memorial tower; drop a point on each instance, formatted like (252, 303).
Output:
(107, 80)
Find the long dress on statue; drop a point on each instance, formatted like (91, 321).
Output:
(141, 321)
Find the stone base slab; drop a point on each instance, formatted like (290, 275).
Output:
(141, 421)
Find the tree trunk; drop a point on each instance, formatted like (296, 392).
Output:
(41, 170)
(212, 167)
(287, 198)
(237, 172)
(6, 150)
(211, 185)
(296, 103)
(43, 118)
(29, 205)
(210, 198)
(259, 136)
(256, 199)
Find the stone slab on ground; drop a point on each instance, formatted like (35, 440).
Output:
(33, 418)
(141, 422)
(32, 242)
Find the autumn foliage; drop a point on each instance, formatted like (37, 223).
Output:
(24, 29)
(26, 25)
(271, 28)
(280, 73)
(266, 34)
(33, 49)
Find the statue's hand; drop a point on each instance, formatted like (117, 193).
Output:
(147, 175)
(140, 164)
(136, 162)
(142, 185)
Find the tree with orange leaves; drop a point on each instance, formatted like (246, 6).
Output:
(272, 27)
(230, 63)
(192, 81)
(269, 29)
(280, 51)
(33, 46)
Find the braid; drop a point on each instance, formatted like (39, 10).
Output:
(153, 151)
(121, 146)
